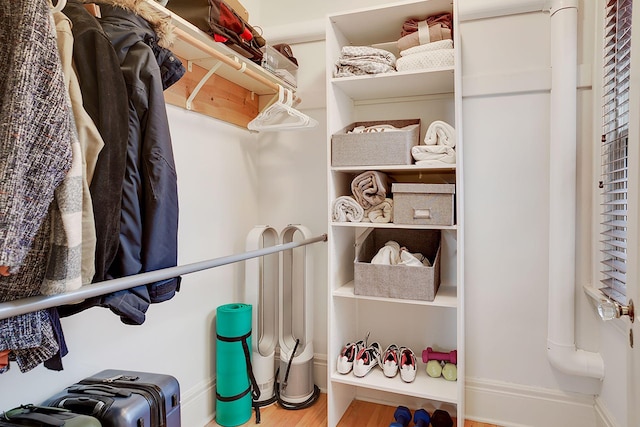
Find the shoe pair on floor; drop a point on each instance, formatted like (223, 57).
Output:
(362, 358)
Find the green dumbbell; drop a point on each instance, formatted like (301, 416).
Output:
(450, 372)
(434, 368)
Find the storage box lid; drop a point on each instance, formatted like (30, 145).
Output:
(423, 188)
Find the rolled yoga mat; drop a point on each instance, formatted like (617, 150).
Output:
(233, 383)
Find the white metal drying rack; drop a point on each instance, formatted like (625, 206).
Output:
(35, 303)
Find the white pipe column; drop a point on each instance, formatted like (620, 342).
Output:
(561, 348)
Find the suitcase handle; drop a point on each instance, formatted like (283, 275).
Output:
(82, 405)
(100, 390)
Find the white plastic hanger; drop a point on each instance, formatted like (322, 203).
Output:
(59, 6)
(281, 115)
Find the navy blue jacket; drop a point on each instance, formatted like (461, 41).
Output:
(149, 218)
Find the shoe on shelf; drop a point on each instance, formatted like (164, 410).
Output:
(348, 355)
(408, 365)
(390, 361)
(366, 359)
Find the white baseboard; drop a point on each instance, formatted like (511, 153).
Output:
(198, 404)
(515, 405)
(604, 418)
(488, 401)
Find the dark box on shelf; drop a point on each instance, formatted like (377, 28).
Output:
(398, 281)
(423, 204)
(375, 148)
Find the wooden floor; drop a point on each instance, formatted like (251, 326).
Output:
(359, 413)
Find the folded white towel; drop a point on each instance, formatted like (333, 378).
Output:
(433, 155)
(440, 133)
(380, 213)
(429, 47)
(427, 60)
(346, 209)
(439, 146)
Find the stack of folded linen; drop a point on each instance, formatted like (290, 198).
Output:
(426, 43)
(368, 201)
(364, 60)
(439, 146)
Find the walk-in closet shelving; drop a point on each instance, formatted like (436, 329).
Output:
(428, 95)
(238, 88)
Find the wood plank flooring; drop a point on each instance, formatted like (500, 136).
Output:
(359, 413)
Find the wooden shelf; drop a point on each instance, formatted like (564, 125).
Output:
(233, 93)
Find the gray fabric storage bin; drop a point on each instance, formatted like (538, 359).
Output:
(423, 204)
(398, 281)
(376, 148)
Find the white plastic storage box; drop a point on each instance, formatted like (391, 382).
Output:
(375, 148)
(423, 204)
(398, 281)
(278, 64)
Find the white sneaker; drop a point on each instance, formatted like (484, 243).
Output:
(366, 359)
(348, 355)
(390, 361)
(408, 364)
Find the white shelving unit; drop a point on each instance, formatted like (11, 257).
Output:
(428, 95)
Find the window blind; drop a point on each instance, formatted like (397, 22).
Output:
(614, 153)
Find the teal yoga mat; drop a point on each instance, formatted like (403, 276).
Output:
(233, 321)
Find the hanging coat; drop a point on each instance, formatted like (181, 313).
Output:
(149, 219)
(35, 155)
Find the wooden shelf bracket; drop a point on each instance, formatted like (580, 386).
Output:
(201, 83)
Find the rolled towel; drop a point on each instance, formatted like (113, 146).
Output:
(380, 213)
(440, 133)
(370, 188)
(346, 209)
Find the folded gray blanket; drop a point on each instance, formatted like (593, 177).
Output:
(363, 60)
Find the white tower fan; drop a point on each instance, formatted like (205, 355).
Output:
(261, 287)
(296, 386)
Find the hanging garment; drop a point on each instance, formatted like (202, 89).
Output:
(104, 97)
(35, 154)
(148, 237)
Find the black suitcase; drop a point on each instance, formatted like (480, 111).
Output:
(42, 416)
(124, 399)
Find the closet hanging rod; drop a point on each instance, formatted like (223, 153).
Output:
(40, 302)
(237, 65)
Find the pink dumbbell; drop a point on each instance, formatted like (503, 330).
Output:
(429, 354)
